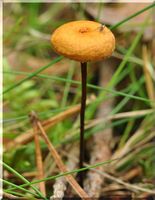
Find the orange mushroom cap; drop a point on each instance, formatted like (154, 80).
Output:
(83, 41)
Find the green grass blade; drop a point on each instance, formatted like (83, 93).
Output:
(71, 172)
(131, 16)
(17, 187)
(126, 99)
(126, 133)
(100, 10)
(56, 78)
(22, 178)
(128, 54)
(51, 112)
(41, 114)
(67, 87)
(113, 80)
(15, 193)
(33, 74)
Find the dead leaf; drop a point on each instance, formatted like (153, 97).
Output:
(113, 13)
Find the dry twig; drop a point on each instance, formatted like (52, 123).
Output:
(129, 186)
(60, 164)
(60, 184)
(40, 170)
(133, 141)
(130, 114)
(28, 136)
(25, 174)
(10, 196)
(132, 173)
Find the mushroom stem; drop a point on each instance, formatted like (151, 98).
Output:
(82, 118)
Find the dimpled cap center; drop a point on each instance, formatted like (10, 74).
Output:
(84, 30)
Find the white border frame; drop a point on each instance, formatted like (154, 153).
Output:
(1, 97)
(78, 1)
(1, 54)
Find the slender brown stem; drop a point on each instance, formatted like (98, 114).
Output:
(82, 118)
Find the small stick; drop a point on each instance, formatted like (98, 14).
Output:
(129, 186)
(60, 163)
(40, 170)
(132, 173)
(25, 174)
(61, 183)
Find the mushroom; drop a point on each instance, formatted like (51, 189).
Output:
(83, 41)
